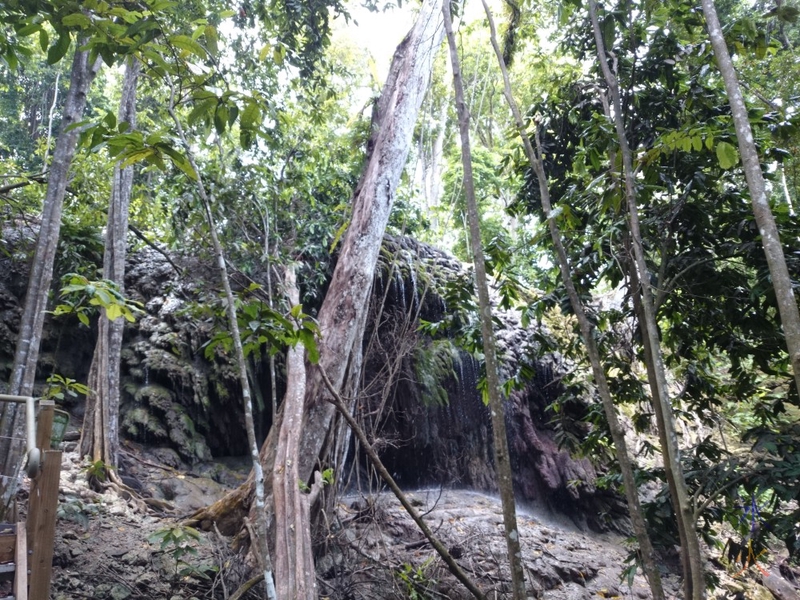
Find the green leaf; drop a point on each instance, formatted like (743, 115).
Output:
(44, 40)
(29, 29)
(221, 119)
(251, 116)
(179, 160)
(727, 155)
(77, 20)
(59, 49)
(211, 39)
(113, 312)
(201, 110)
(310, 344)
(136, 156)
(184, 42)
(83, 318)
(788, 13)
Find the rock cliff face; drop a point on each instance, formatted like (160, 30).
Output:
(449, 441)
(418, 395)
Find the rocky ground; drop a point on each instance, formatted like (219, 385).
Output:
(109, 548)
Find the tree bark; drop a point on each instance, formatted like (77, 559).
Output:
(770, 237)
(294, 562)
(501, 453)
(100, 432)
(694, 580)
(343, 313)
(23, 372)
(587, 332)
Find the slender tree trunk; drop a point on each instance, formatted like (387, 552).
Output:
(23, 372)
(501, 454)
(587, 332)
(100, 433)
(294, 561)
(694, 581)
(770, 237)
(260, 544)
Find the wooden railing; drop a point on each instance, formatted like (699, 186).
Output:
(26, 548)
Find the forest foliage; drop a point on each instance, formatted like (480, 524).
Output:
(265, 94)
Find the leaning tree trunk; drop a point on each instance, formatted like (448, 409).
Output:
(691, 555)
(344, 309)
(100, 433)
(587, 332)
(501, 454)
(770, 237)
(23, 372)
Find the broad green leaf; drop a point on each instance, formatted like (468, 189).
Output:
(136, 156)
(310, 344)
(29, 29)
(788, 13)
(697, 143)
(232, 114)
(210, 34)
(727, 155)
(179, 160)
(83, 318)
(184, 42)
(201, 111)
(77, 20)
(221, 119)
(251, 116)
(59, 49)
(113, 312)
(44, 40)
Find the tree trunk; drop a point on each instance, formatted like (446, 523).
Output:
(100, 433)
(770, 238)
(41, 275)
(343, 313)
(260, 544)
(694, 581)
(294, 562)
(501, 454)
(587, 332)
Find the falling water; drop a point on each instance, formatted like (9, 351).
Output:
(400, 286)
(413, 276)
